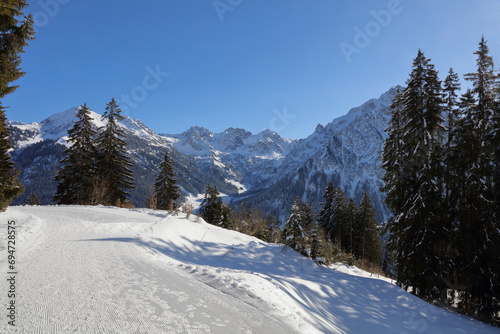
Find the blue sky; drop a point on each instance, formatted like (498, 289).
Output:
(281, 64)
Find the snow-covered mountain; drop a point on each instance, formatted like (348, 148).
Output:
(347, 152)
(264, 169)
(245, 159)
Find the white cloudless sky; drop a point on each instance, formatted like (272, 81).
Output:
(254, 64)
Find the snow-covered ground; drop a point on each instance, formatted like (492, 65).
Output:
(109, 270)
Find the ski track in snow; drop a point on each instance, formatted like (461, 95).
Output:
(85, 275)
(109, 270)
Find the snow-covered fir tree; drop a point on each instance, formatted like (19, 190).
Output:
(478, 236)
(213, 210)
(368, 243)
(114, 176)
(10, 186)
(293, 230)
(77, 175)
(166, 188)
(413, 179)
(14, 37)
(33, 200)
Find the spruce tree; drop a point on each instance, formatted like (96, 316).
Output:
(14, 37)
(76, 176)
(478, 234)
(166, 188)
(213, 210)
(369, 244)
(293, 231)
(325, 212)
(453, 116)
(33, 199)
(114, 176)
(350, 235)
(10, 186)
(338, 218)
(414, 178)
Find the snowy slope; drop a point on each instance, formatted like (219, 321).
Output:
(109, 270)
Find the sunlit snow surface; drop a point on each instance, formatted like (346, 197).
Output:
(109, 270)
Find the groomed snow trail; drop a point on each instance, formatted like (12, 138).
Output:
(82, 270)
(110, 270)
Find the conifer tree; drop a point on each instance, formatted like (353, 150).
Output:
(213, 210)
(10, 186)
(453, 116)
(113, 163)
(338, 218)
(413, 176)
(350, 234)
(293, 232)
(369, 244)
(325, 212)
(14, 36)
(478, 234)
(76, 176)
(166, 188)
(33, 199)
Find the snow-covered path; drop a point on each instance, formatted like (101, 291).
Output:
(83, 270)
(109, 270)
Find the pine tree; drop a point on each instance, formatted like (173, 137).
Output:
(350, 234)
(14, 36)
(413, 174)
(213, 210)
(10, 186)
(293, 233)
(338, 218)
(325, 213)
(453, 116)
(33, 199)
(166, 188)
(369, 244)
(77, 174)
(478, 233)
(113, 163)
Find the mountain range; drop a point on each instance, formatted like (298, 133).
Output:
(263, 169)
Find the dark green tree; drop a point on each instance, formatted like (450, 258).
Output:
(325, 213)
(14, 37)
(293, 230)
(413, 179)
(350, 235)
(114, 176)
(10, 186)
(33, 199)
(77, 175)
(166, 188)
(213, 210)
(368, 243)
(478, 233)
(338, 219)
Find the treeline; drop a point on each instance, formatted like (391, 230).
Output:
(442, 179)
(341, 231)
